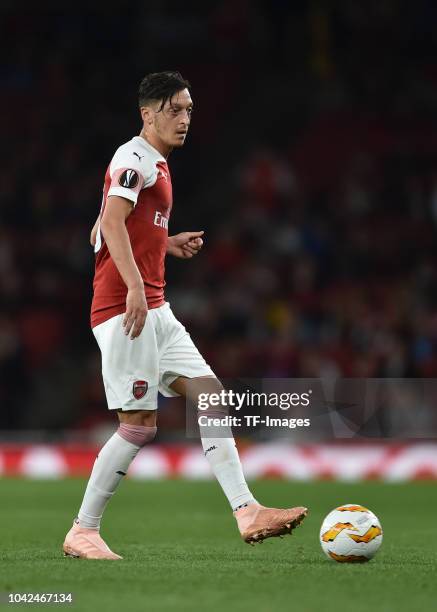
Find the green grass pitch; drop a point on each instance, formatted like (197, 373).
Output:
(182, 551)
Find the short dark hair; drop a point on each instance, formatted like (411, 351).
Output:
(160, 86)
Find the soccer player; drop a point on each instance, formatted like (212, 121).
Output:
(144, 347)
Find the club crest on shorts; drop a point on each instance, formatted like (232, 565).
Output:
(139, 389)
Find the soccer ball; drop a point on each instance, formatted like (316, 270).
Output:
(351, 534)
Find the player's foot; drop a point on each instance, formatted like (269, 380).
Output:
(256, 523)
(86, 544)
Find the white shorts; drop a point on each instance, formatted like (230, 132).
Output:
(134, 370)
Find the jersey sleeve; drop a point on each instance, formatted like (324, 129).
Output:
(129, 175)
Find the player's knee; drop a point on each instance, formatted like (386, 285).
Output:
(146, 418)
(211, 401)
(140, 435)
(206, 395)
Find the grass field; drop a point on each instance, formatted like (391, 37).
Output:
(182, 551)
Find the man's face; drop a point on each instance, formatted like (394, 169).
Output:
(172, 122)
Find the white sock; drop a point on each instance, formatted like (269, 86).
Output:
(110, 466)
(223, 458)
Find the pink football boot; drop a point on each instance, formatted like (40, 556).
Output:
(256, 523)
(86, 544)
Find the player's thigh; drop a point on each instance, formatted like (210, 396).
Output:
(129, 367)
(203, 395)
(179, 358)
(192, 387)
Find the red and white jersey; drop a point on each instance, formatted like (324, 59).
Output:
(139, 173)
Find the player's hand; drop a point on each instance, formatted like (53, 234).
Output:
(136, 312)
(185, 245)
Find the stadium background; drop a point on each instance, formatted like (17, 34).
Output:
(312, 167)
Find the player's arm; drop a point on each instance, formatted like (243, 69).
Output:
(185, 244)
(113, 228)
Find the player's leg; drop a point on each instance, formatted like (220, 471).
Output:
(218, 443)
(130, 375)
(136, 429)
(255, 522)
(183, 371)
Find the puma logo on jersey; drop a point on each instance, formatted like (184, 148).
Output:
(140, 157)
(160, 220)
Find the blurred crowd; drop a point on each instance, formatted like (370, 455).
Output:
(311, 165)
